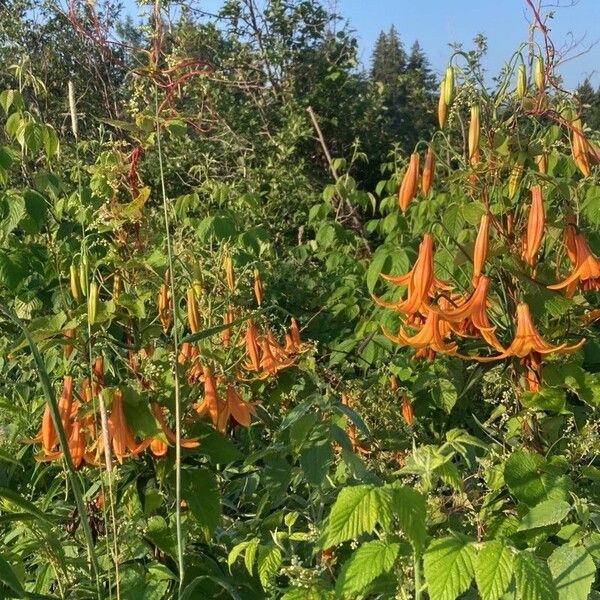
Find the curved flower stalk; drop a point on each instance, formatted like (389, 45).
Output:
(587, 265)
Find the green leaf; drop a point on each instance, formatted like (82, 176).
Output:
(13, 210)
(356, 510)
(411, 509)
(316, 460)
(313, 593)
(367, 563)
(528, 479)
(250, 554)
(573, 570)
(381, 259)
(548, 398)
(449, 567)
(50, 141)
(545, 513)
(444, 394)
(533, 578)
(494, 570)
(269, 561)
(26, 506)
(199, 489)
(160, 534)
(8, 577)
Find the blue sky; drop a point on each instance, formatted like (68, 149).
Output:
(436, 23)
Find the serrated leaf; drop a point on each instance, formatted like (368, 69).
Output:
(444, 394)
(527, 478)
(250, 554)
(449, 567)
(533, 578)
(371, 560)
(269, 561)
(573, 570)
(545, 513)
(411, 509)
(356, 510)
(494, 570)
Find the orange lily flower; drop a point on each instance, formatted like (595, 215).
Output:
(420, 281)
(158, 446)
(121, 435)
(211, 404)
(581, 148)
(269, 363)
(535, 226)
(235, 407)
(474, 313)
(586, 271)
(165, 307)
(48, 435)
(407, 410)
(410, 182)
(196, 372)
(430, 336)
(480, 251)
(193, 316)
(185, 353)
(528, 340)
(229, 273)
(251, 339)
(227, 320)
(98, 373)
(428, 171)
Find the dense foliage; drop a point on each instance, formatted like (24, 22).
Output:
(275, 328)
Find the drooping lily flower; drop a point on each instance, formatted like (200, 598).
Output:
(410, 183)
(269, 363)
(535, 226)
(430, 336)
(229, 273)
(251, 339)
(158, 446)
(420, 281)
(212, 404)
(528, 340)
(235, 407)
(474, 313)
(295, 334)
(48, 435)
(228, 320)
(123, 440)
(407, 410)
(586, 271)
(481, 247)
